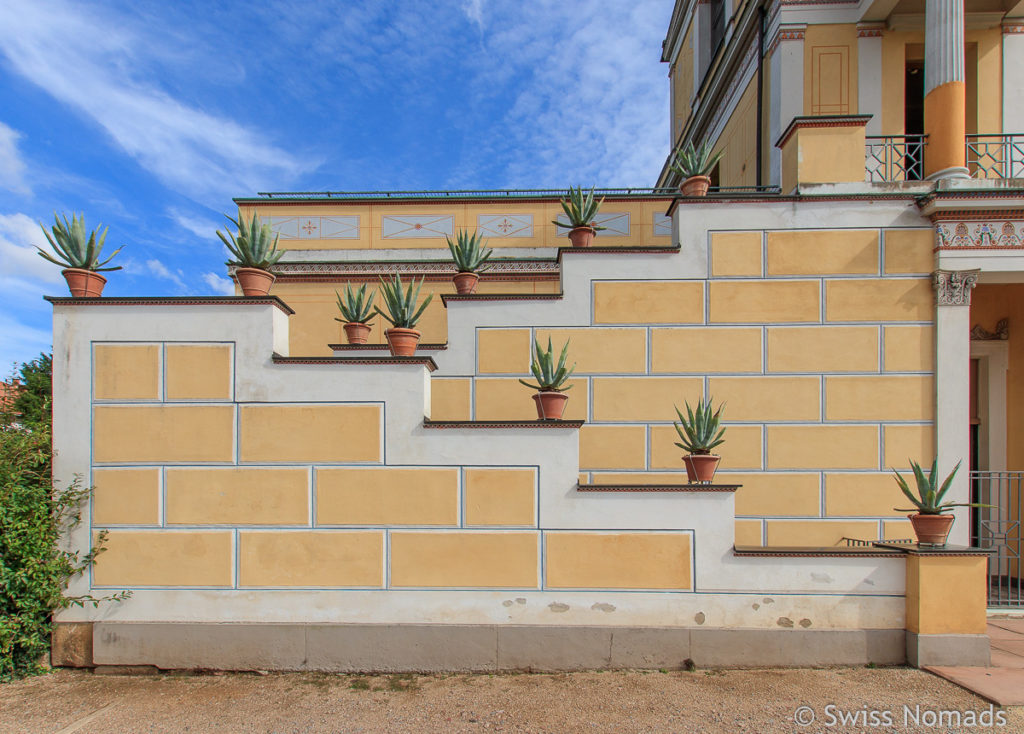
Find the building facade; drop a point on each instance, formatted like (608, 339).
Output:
(275, 498)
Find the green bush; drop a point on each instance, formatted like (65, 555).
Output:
(34, 571)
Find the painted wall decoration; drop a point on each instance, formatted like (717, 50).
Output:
(315, 228)
(505, 225)
(416, 226)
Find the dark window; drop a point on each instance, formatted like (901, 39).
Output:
(717, 25)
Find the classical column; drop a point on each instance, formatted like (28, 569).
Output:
(945, 95)
(786, 59)
(1013, 76)
(869, 74)
(952, 387)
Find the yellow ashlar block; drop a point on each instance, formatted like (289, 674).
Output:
(703, 350)
(613, 447)
(504, 351)
(767, 494)
(823, 349)
(822, 252)
(758, 302)
(768, 398)
(328, 558)
(500, 398)
(818, 533)
(165, 558)
(600, 350)
(736, 254)
(910, 348)
(676, 477)
(163, 433)
(906, 443)
(236, 496)
(909, 251)
(387, 496)
(501, 497)
(863, 495)
(464, 559)
(741, 450)
(897, 530)
(823, 155)
(880, 299)
(451, 399)
(327, 433)
(650, 302)
(822, 447)
(126, 372)
(749, 532)
(592, 560)
(946, 595)
(643, 398)
(198, 372)
(126, 496)
(880, 398)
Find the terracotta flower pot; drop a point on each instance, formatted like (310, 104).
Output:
(465, 283)
(84, 283)
(402, 342)
(582, 236)
(695, 186)
(550, 404)
(254, 281)
(701, 467)
(931, 529)
(356, 332)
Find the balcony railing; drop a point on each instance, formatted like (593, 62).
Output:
(890, 158)
(999, 527)
(995, 156)
(894, 158)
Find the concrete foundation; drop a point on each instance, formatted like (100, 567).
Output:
(958, 650)
(438, 647)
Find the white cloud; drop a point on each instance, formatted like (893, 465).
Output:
(157, 268)
(204, 228)
(19, 258)
(219, 285)
(12, 168)
(90, 63)
(474, 10)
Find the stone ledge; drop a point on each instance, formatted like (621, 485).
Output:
(485, 647)
(427, 362)
(382, 347)
(427, 423)
(697, 488)
(475, 297)
(757, 551)
(171, 301)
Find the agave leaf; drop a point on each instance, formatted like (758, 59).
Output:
(948, 483)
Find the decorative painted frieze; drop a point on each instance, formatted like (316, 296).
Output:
(416, 226)
(616, 224)
(315, 228)
(505, 225)
(953, 287)
(662, 225)
(1002, 234)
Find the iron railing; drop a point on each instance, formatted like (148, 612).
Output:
(1000, 529)
(894, 158)
(995, 156)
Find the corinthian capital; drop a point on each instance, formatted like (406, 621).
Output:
(953, 287)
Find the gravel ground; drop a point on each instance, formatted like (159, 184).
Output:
(761, 701)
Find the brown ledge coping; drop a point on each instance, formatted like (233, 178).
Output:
(360, 347)
(427, 423)
(799, 552)
(604, 250)
(445, 298)
(913, 549)
(657, 487)
(427, 362)
(171, 301)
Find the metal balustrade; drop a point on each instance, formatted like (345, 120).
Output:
(999, 528)
(894, 158)
(995, 156)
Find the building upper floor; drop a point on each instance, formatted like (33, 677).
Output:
(740, 71)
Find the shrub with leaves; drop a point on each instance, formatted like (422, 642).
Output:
(580, 209)
(550, 376)
(402, 312)
(469, 252)
(355, 307)
(73, 248)
(255, 245)
(34, 570)
(699, 430)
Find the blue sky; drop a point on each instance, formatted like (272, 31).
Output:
(150, 116)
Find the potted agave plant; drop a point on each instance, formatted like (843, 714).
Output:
(580, 209)
(356, 310)
(699, 432)
(78, 255)
(694, 164)
(469, 253)
(254, 249)
(402, 314)
(551, 380)
(931, 521)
